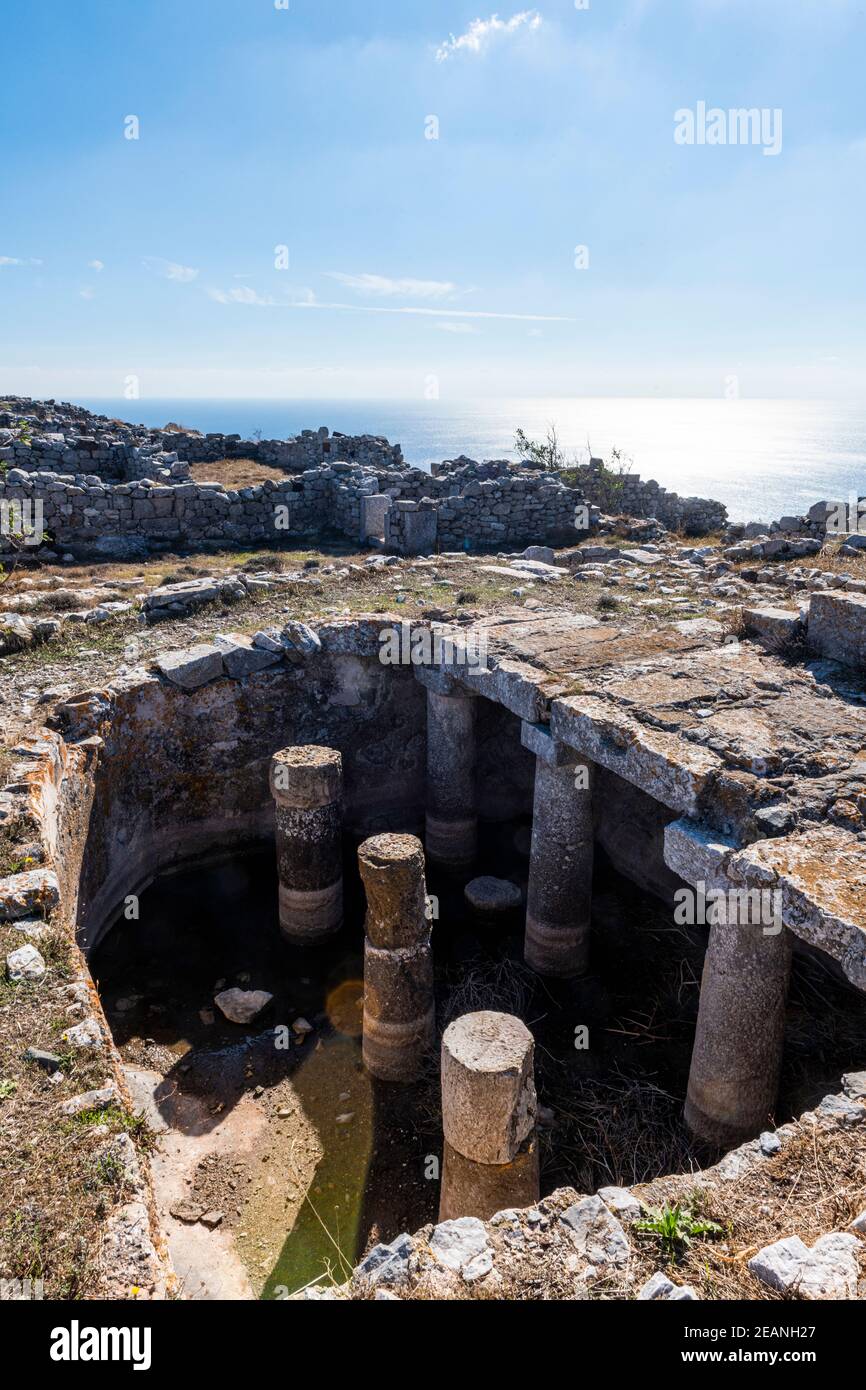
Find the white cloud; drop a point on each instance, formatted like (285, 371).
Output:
(96, 265)
(482, 32)
(384, 285)
(18, 260)
(305, 299)
(170, 270)
(87, 293)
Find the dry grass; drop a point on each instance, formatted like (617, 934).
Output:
(504, 985)
(831, 562)
(611, 1133)
(59, 601)
(816, 1185)
(14, 844)
(56, 1187)
(236, 473)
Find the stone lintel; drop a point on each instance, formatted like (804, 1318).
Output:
(821, 874)
(698, 853)
(513, 685)
(668, 768)
(436, 679)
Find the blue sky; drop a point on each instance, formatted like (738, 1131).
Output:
(420, 264)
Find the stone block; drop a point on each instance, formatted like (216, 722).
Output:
(837, 627)
(192, 668)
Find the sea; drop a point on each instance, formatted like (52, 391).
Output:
(763, 458)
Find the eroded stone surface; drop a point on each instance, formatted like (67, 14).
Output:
(488, 1088)
(597, 1233)
(828, 1271)
(821, 875)
(25, 964)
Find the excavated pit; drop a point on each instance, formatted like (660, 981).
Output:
(276, 1164)
(306, 1161)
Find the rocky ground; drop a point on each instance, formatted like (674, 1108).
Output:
(780, 1218)
(65, 625)
(68, 627)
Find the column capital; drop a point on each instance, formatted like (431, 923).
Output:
(539, 740)
(435, 679)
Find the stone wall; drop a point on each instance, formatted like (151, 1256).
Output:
(62, 438)
(633, 497)
(122, 487)
(843, 519)
(512, 511)
(83, 510)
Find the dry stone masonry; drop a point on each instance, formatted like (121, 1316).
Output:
(119, 490)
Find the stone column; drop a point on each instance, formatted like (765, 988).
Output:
(559, 897)
(488, 1114)
(451, 835)
(307, 786)
(737, 1056)
(399, 1014)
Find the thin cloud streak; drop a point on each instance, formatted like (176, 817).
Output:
(250, 297)
(386, 285)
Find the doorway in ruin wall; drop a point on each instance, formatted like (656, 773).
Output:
(373, 512)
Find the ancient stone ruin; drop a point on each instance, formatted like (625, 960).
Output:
(121, 491)
(499, 928)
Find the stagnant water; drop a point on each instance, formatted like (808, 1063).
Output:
(314, 1161)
